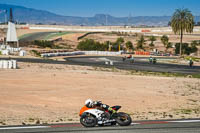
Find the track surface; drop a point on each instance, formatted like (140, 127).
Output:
(175, 126)
(140, 64)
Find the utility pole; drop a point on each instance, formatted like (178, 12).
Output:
(11, 15)
(129, 19)
(5, 16)
(106, 19)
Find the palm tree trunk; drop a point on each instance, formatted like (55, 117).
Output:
(181, 41)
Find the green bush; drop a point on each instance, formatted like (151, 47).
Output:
(186, 49)
(36, 53)
(46, 44)
(129, 45)
(90, 45)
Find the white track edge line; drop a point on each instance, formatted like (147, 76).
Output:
(185, 121)
(28, 127)
(135, 123)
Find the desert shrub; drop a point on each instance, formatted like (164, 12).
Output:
(141, 42)
(46, 44)
(186, 49)
(129, 45)
(90, 45)
(43, 44)
(36, 53)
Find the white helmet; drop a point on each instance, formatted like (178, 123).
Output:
(89, 103)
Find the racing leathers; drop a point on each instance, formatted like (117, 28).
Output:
(104, 106)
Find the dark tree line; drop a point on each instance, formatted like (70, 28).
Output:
(119, 44)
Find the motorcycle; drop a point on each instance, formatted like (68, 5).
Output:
(190, 63)
(154, 60)
(90, 117)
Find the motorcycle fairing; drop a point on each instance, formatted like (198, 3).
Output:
(94, 112)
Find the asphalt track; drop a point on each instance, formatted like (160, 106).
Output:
(167, 126)
(140, 64)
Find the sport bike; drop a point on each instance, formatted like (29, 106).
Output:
(90, 117)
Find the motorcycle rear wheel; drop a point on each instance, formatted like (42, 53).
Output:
(123, 119)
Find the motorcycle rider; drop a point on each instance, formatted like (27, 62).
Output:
(123, 58)
(191, 62)
(92, 104)
(150, 59)
(154, 60)
(132, 59)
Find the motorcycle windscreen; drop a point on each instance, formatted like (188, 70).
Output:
(116, 107)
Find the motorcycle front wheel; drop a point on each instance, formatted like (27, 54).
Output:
(123, 119)
(88, 121)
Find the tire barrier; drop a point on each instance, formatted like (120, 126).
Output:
(8, 64)
(22, 53)
(109, 63)
(4, 52)
(62, 54)
(80, 53)
(141, 53)
(101, 53)
(6, 49)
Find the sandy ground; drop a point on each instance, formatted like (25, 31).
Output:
(45, 93)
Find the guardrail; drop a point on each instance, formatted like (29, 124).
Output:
(89, 34)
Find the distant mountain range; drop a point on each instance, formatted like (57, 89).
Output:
(33, 16)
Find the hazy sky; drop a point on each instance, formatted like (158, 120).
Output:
(113, 7)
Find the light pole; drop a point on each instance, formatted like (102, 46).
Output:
(5, 16)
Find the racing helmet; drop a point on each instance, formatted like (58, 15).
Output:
(89, 103)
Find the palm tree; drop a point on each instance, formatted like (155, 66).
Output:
(182, 21)
(129, 45)
(141, 42)
(164, 39)
(120, 41)
(152, 39)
